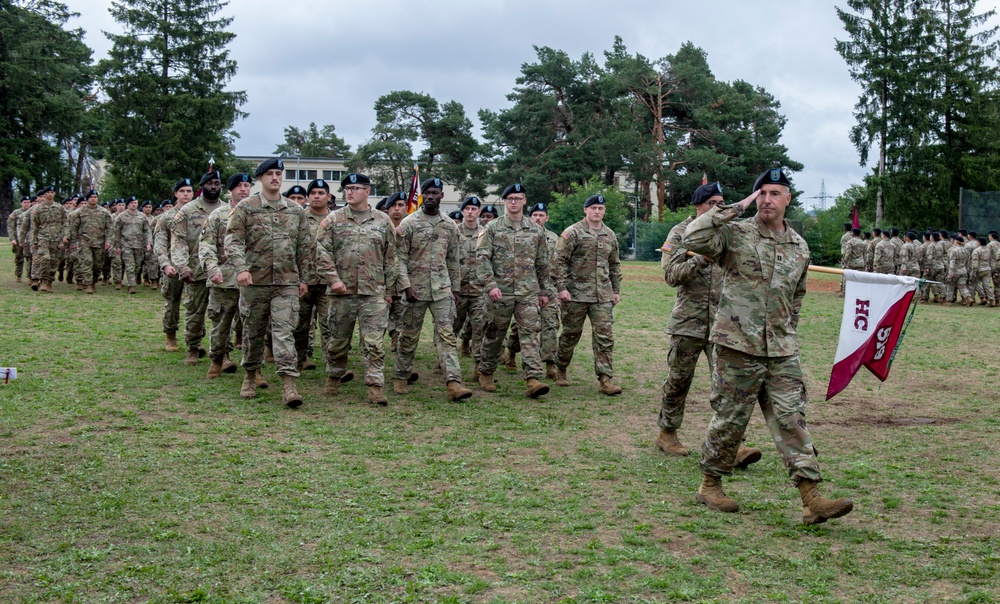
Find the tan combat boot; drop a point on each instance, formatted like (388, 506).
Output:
(550, 370)
(46, 286)
(507, 359)
(816, 509)
(309, 365)
(466, 348)
(89, 289)
(535, 389)
(227, 365)
(376, 396)
(668, 443)
(79, 287)
(475, 372)
(332, 386)
(268, 355)
(118, 286)
(399, 386)
(34, 285)
(710, 493)
(131, 289)
(249, 387)
(258, 379)
(192, 357)
(746, 456)
(458, 392)
(171, 342)
(608, 387)
(214, 370)
(18, 280)
(486, 382)
(562, 379)
(289, 394)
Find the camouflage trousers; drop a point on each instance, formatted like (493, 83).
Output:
(106, 269)
(316, 303)
(885, 269)
(18, 260)
(984, 287)
(938, 289)
(172, 289)
(195, 306)
(524, 312)
(151, 267)
(223, 307)
(738, 380)
(67, 262)
(960, 287)
(681, 363)
(132, 260)
(470, 318)
(280, 304)
(602, 319)
(45, 258)
(996, 282)
(395, 316)
(548, 338)
(117, 267)
(443, 315)
(89, 263)
(371, 313)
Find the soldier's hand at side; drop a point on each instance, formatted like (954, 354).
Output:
(543, 301)
(244, 278)
(107, 246)
(149, 248)
(303, 289)
(170, 271)
(338, 288)
(456, 297)
(187, 275)
(388, 300)
(411, 295)
(217, 278)
(564, 296)
(617, 299)
(118, 250)
(65, 240)
(495, 294)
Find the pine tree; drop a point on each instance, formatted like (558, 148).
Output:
(168, 111)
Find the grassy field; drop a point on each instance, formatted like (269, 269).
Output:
(125, 476)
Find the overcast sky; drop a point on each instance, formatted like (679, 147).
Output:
(327, 61)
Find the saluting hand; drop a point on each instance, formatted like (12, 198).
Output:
(747, 201)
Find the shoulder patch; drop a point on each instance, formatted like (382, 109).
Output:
(324, 222)
(399, 230)
(566, 234)
(667, 247)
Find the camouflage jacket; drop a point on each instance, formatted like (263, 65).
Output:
(514, 258)
(958, 261)
(870, 252)
(47, 223)
(933, 257)
(855, 257)
(971, 245)
(994, 247)
(699, 286)
(12, 224)
(427, 252)
(586, 263)
(162, 236)
(981, 262)
(270, 240)
(90, 227)
(845, 240)
(467, 240)
(764, 284)
(23, 227)
(185, 230)
(885, 256)
(897, 242)
(314, 220)
(944, 246)
(358, 249)
(132, 231)
(909, 264)
(212, 249)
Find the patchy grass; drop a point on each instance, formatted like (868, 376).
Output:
(126, 476)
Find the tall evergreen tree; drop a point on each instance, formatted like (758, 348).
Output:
(168, 110)
(314, 142)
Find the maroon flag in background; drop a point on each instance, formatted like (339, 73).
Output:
(854, 218)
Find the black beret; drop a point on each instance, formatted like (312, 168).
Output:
(209, 176)
(538, 207)
(91, 193)
(273, 163)
(317, 183)
(355, 179)
(296, 190)
(856, 231)
(704, 192)
(847, 226)
(26, 198)
(145, 203)
(431, 182)
(514, 188)
(44, 190)
(130, 199)
(184, 182)
(489, 209)
(456, 215)
(392, 199)
(594, 200)
(960, 231)
(771, 177)
(471, 201)
(236, 179)
(381, 204)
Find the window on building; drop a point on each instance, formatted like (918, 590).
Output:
(289, 174)
(333, 175)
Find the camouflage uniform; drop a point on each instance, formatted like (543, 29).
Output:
(171, 288)
(845, 242)
(994, 247)
(587, 266)
(958, 271)
(223, 298)
(358, 249)
(16, 248)
(316, 303)
(151, 266)
(949, 290)
(855, 259)
(699, 285)
(515, 259)
(23, 226)
(271, 241)
(115, 256)
(548, 338)
(897, 243)
(427, 255)
(870, 254)
(47, 225)
(186, 228)
(909, 263)
(885, 257)
(974, 286)
(934, 260)
(131, 238)
(982, 273)
(756, 340)
(470, 314)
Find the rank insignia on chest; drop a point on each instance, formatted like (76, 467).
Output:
(667, 247)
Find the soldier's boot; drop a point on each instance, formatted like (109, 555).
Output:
(486, 382)
(399, 386)
(131, 289)
(608, 388)
(561, 378)
(332, 386)
(89, 289)
(668, 443)
(816, 509)
(376, 396)
(46, 286)
(227, 365)
(201, 351)
(711, 494)
(458, 392)
(192, 357)
(171, 341)
(18, 280)
(550, 370)
(309, 365)
(746, 456)
(34, 285)
(438, 370)
(289, 394)
(475, 372)
(79, 287)
(968, 301)
(534, 388)
(466, 348)
(259, 380)
(118, 286)
(268, 355)
(214, 370)
(249, 387)
(509, 359)
(239, 341)
(60, 275)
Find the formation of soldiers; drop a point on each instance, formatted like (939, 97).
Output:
(959, 267)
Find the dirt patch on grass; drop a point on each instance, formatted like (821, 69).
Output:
(886, 421)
